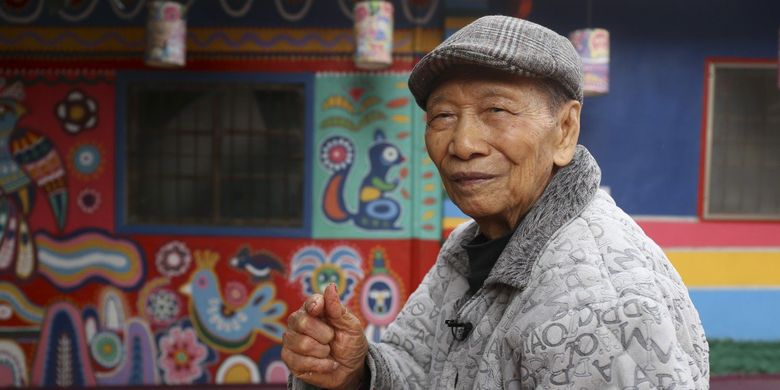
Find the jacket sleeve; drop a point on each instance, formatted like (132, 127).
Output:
(630, 341)
(402, 359)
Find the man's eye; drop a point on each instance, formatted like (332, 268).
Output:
(496, 109)
(440, 118)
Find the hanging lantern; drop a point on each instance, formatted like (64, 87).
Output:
(373, 34)
(166, 34)
(592, 44)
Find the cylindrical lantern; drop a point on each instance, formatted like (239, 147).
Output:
(166, 34)
(373, 34)
(593, 46)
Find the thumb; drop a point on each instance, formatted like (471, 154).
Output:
(336, 313)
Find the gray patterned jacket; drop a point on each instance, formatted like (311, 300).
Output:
(580, 298)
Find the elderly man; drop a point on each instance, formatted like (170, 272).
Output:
(552, 285)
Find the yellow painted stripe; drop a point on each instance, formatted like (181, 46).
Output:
(727, 268)
(453, 222)
(245, 40)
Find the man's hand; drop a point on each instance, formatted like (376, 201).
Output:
(324, 344)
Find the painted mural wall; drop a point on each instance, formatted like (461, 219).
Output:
(86, 300)
(81, 303)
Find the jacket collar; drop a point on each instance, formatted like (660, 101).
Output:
(569, 191)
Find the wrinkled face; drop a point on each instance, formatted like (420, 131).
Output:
(493, 140)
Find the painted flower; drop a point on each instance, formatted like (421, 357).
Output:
(181, 356)
(235, 294)
(77, 112)
(173, 259)
(163, 306)
(88, 200)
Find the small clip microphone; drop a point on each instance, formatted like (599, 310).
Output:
(460, 330)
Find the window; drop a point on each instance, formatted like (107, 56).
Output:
(742, 167)
(215, 153)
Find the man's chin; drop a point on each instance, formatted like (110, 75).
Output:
(476, 213)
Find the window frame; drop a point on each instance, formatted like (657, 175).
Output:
(711, 65)
(123, 226)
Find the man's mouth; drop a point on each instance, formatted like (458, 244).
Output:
(469, 178)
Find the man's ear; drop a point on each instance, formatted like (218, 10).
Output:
(568, 127)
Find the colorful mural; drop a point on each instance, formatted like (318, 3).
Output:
(81, 305)
(366, 152)
(380, 295)
(376, 210)
(84, 305)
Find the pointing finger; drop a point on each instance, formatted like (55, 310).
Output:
(336, 313)
(334, 309)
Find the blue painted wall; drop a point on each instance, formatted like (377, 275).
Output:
(752, 314)
(646, 132)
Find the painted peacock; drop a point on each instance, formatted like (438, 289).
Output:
(28, 162)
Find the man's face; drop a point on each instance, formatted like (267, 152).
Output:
(494, 141)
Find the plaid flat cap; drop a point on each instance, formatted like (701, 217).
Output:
(503, 43)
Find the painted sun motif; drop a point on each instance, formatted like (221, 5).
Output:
(173, 259)
(106, 349)
(337, 153)
(77, 112)
(85, 160)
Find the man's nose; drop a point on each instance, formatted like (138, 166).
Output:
(469, 138)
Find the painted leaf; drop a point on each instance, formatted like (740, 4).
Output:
(338, 121)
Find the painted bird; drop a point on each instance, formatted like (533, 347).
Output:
(228, 328)
(27, 161)
(258, 265)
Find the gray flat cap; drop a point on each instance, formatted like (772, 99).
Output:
(503, 43)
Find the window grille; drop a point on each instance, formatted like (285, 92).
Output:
(742, 168)
(215, 154)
